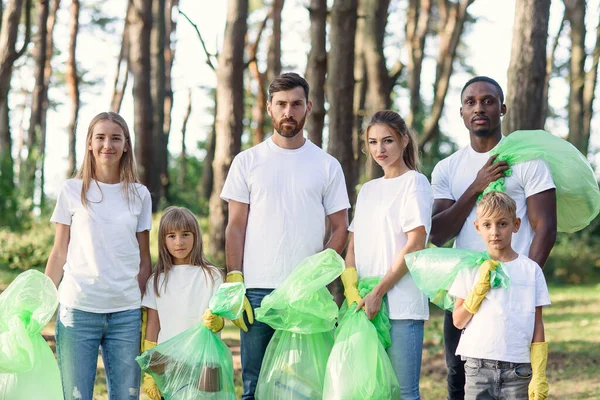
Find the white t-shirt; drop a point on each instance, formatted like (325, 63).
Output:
(502, 329)
(183, 300)
(385, 210)
(453, 175)
(103, 257)
(290, 192)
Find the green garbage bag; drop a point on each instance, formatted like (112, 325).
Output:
(577, 193)
(358, 367)
(434, 270)
(28, 369)
(197, 364)
(303, 314)
(381, 321)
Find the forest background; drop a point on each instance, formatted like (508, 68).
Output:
(190, 77)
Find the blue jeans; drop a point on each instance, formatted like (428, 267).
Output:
(456, 367)
(405, 354)
(79, 334)
(495, 380)
(253, 345)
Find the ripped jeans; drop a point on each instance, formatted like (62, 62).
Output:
(79, 334)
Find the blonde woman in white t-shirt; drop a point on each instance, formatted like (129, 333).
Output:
(100, 263)
(181, 286)
(392, 219)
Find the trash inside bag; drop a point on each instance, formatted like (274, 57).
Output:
(577, 193)
(303, 314)
(28, 368)
(197, 364)
(433, 271)
(358, 367)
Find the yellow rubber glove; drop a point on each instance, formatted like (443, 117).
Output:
(474, 299)
(212, 321)
(148, 384)
(237, 276)
(144, 324)
(538, 387)
(350, 281)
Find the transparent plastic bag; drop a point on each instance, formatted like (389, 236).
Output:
(434, 270)
(303, 314)
(197, 364)
(358, 367)
(28, 368)
(577, 193)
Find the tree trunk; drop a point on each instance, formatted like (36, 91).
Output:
(120, 83)
(259, 108)
(157, 62)
(549, 69)
(591, 78)
(140, 27)
(575, 14)
(316, 69)
(72, 80)
(207, 165)
(169, 51)
(182, 155)
(340, 88)
(360, 95)
(453, 17)
(274, 55)
(28, 176)
(230, 114)
(527, 69)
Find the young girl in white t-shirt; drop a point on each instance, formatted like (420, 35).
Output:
(181, 286)
(101, 253)
(392, 219)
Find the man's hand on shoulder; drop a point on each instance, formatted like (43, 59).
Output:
(489, 173)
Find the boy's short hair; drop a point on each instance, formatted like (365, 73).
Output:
(494, 203)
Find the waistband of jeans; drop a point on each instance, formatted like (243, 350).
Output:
(482, 362)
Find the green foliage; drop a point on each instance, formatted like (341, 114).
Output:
(188, 193)
(28, 249)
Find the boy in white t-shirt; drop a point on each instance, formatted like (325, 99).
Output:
(503, 332)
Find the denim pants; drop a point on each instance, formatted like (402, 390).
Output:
(405, 354)
(495, 380)
(456, 367)
(253, 344)
(79, 334)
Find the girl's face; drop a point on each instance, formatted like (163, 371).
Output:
(384, 146)
(180, 245)
(107, 143)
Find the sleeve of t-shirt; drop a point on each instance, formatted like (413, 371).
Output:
(462, 285)
(336, 195)
(62, 210)
(440, 182)
(417, 207)
(145, 218)
(149, 299)
(542, 297)
(236, 184)
(536, 177)
(218, 278)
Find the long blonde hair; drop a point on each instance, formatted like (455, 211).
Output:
(396, 124)
(179, 219)
(127, 169)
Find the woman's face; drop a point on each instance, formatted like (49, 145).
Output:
(107, 143)
(384, 146)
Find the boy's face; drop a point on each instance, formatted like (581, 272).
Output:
(497, 229)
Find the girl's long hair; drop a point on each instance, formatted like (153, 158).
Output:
(127, 169)
(396, 124)
(179, 219)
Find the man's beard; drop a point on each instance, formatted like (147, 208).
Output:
(482, 132)
(290, 131)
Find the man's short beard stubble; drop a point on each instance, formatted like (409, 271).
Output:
(299, 126)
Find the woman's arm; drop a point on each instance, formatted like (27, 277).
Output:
(415, 242)
(460, 316)
(58, 255)
(350, 260)
(152, 326)
(143, 239)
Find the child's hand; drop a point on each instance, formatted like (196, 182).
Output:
(481, 288)
(212, 321)
(150, 388)
(538, 387)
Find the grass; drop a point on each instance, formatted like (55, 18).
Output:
(572, 329)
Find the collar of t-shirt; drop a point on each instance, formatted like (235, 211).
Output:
(281, 150)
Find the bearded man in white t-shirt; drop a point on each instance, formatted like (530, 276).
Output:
(457, 182)
(280, 194)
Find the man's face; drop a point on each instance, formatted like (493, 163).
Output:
(288, 110)
(481, 109)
